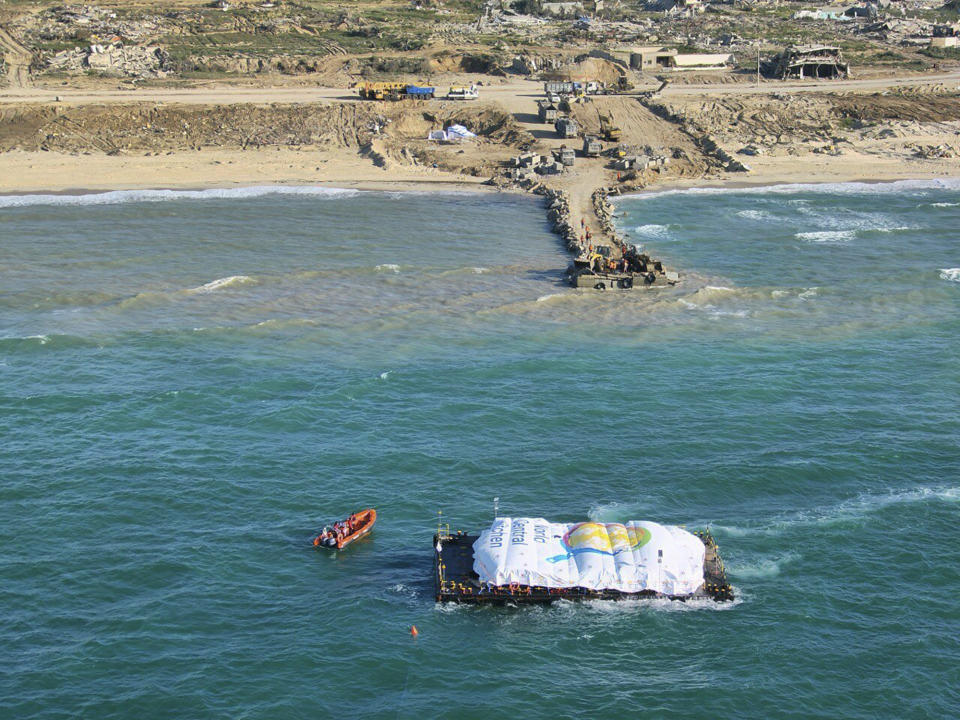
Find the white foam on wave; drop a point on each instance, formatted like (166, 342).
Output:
(118, 197)
(385, 375)
(480, 270)
(221, 283)
(944, 204)
(545, 298)
(388, 267)
(827, 236)
(661, 232)
(706, 300)
(847, 188)
(763, 568)
(755, 215)
(401, 589)
(854, 509)
(778, 293)
(898, 228)
(950, 274)
(809, 293)
(603, 512)
(575, 609)
(649, 605)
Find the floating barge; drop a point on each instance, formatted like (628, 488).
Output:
(457, 580)
(583, 278)
(595, 269)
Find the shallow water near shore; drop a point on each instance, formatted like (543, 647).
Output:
(192, 384)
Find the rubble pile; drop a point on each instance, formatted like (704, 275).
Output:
(933, 152)
(900, 31)
(69, 22)
(162, 128)
(535, 64)
(115, 59)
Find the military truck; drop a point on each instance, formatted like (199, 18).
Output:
(565, 156)
(546, 111)
(592, 146)
(566, 127)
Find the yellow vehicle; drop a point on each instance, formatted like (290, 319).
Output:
(608, 130)
(381, 90)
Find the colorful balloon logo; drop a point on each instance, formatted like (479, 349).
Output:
(602, 538)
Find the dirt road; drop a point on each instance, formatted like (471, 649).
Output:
(511, 94)
(17, 58)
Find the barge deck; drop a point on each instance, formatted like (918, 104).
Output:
(456, 581)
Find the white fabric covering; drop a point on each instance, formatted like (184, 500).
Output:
(631, 557)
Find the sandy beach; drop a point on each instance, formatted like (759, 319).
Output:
(36, 172)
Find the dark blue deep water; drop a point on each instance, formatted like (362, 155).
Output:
(191, 384)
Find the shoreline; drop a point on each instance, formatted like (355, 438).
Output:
(673, 187)
(50, 172)
(33, 173)
(455, 187)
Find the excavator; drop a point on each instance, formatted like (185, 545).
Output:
(608, 129)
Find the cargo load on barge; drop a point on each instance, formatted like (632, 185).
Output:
(531, 560)
(596, 267)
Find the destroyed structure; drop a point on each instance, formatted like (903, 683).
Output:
(810, 61)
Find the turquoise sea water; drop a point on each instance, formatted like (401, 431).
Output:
(191, 384)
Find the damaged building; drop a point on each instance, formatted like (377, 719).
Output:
(810, 61)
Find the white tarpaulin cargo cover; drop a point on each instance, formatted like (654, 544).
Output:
(631, 557)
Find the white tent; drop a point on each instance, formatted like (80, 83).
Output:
(630, 557)
(454, 133)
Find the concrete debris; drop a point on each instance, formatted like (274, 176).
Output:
(906, 31)
(99, 24)
(541, 164)
(114, 59)
(641, 162)
(931, 152)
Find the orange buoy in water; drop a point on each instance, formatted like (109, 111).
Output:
(413, 631)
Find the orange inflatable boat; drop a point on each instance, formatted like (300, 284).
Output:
(346, 531)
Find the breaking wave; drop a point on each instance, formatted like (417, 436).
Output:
(847, 188)
(827, 236)
(755, 215)
(659, 232)
(222, 283)
(950, 274)
(389, 267)
(118, 197)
